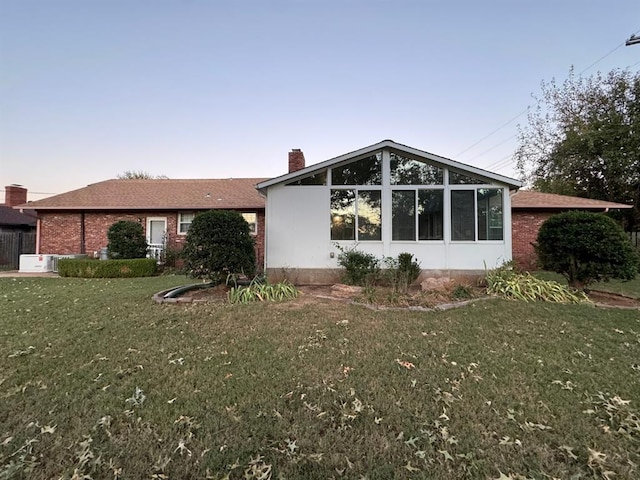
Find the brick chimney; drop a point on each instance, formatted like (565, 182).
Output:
(14, 195)
(296, 160)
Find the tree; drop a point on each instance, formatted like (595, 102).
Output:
(126, 240)
(219, 243)
(139, 175)
(583, 139)
(585, 248)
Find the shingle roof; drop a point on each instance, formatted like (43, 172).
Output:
(530, 200)
(15, 218)
(161, 194)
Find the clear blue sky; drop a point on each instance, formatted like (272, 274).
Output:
(216, 89)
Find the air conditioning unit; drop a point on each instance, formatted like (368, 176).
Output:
(36, 263)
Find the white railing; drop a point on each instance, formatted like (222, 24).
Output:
(155, 251)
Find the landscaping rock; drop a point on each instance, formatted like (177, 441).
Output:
(345, 291)
(436, 284)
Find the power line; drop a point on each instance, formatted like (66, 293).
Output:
(527, 109)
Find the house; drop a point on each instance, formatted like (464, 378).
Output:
(530, 209)
(12, 220)
(386, 199)
(78, 221)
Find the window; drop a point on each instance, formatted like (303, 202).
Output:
(317, 179)
(429, 210)
(356, 215)
(406, 171)
(184, 222)
(367, 171)
(489, 218)
(490, 214)
(463, 225)
(456, 178)
(252, 219)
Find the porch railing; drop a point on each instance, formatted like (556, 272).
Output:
(156, 250)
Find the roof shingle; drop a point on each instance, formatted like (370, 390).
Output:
(527, 199)
(158, 194)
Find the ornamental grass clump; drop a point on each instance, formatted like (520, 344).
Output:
(263, 292)
(507, 282)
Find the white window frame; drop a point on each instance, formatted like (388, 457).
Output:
(180, 222)
(253, 224)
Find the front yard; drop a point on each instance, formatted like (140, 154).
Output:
(97, 381)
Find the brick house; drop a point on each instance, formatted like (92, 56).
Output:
(530, 209)
(78, 221)
(12, 220)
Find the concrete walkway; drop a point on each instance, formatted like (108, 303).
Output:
(17, 274)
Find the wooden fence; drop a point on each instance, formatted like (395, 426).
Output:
(14, 244)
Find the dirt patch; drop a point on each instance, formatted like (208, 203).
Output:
(612, 299)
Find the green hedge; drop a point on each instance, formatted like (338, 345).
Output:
(137, 267)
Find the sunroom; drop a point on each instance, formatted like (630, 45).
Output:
(386, 199)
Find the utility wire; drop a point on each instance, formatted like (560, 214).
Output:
(525, 111)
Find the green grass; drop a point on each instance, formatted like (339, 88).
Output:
(97, 381)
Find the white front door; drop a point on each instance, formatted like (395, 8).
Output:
(156, 231)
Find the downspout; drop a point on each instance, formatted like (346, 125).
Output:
(38, 227)
(82, 229)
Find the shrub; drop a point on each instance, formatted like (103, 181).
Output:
(360, 268)
(127, 268)
(401, 272)
(126, 240)
(585, 248)
(219, 243)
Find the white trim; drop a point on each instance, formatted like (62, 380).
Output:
(154, 219)
(178, 222)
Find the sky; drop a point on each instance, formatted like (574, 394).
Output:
(219, 89)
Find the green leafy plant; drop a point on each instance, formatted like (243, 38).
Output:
(586, 248)
(507, 282)
(263, 292)
(126, 240)
(461, 292)
(360, 268)
(219, 243)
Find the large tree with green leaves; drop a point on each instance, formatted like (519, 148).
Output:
(583, 138)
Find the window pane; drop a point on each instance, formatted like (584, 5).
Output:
(184, 222)
(367, 171)
(462, 216)
(490, 214)
(406, 171)
(317, 179)
(252, 220)
(430, 214)
(343, 213)
(456, 178)
(403, 215)
(369, 215)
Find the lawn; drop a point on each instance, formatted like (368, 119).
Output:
(97, 381)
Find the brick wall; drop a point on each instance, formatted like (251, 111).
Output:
(524, 231)
(60, 232)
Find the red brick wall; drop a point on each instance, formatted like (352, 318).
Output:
(60, 233)
(524, 231)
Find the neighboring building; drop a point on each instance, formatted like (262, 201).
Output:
(386, 199)
(78, 221)
(12, 220)
(530, 209)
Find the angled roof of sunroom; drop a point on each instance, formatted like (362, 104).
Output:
(396, 147)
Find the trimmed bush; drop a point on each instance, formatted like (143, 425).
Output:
(219, 244)
(128, 268)
(585, 248)
(126, 240)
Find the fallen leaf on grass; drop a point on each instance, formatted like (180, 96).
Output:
(405, 364)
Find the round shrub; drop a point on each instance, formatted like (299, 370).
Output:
(219, 244)
(585, 248)
(126, 240)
